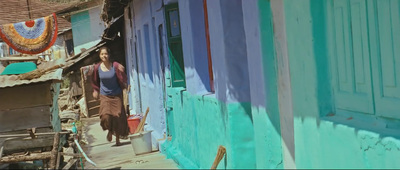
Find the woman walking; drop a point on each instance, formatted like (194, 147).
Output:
(108, 82)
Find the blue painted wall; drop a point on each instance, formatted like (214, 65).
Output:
(194, 46)
(147, 82)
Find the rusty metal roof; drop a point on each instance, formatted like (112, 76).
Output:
(12, 80)
(112, 9)
(79, 59)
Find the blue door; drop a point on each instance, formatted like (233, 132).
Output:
(351, 59)
(385, 54)
(365, 55)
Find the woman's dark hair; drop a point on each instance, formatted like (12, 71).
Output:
(106, 48)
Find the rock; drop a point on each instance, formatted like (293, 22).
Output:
(68, 115)
(82, 106)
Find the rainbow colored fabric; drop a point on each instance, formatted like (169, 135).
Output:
(31, 37)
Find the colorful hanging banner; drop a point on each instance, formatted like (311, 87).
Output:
(31, 37)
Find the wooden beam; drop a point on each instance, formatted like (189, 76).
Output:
(77, 155)
(19, 58)
(70, 163)
(23, 158)
(27, 135)
(17, 144)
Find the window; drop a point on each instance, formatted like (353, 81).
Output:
(161, 49)
(174, 23)
(140, 57)
(175, 52)
(154, 39)
(148, 52)
(365, 61)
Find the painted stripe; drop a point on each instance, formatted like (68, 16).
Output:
(210, 70)
(284, 85)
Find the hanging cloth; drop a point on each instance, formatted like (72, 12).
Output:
(31, 37)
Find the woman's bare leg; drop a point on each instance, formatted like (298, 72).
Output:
(117, 142)
(109, 136)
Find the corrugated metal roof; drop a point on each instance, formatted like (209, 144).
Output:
(112, 9)
(12, 80)
(81, 56)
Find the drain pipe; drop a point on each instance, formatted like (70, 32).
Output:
(84, 154)
(75, 131)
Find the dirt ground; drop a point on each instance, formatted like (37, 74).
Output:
(108, 156)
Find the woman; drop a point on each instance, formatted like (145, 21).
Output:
(108, 81)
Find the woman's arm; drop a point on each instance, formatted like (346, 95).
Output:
(95, 82)
(122, 76)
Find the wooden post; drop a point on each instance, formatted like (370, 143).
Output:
(58, 160)
(83, 82)
(141, 124)
(220, 154)
(54, 152)
(1, 151)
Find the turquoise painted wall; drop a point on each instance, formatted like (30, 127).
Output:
(87, 29)
(55, 118)
(326, 142)
(201, 123)
(81, 31)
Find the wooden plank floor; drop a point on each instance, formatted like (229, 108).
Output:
(108, 156)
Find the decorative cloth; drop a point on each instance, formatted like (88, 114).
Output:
(87, 71)
(31, 37)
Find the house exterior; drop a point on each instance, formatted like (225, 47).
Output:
(87, 28)
(83, 40)
(29, 105)
(280, 84)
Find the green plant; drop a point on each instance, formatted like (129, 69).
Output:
(65, 83)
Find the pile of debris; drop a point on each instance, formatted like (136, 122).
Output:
(69, 110)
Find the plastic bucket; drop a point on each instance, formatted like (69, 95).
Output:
(141, 142)
(133, 123)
